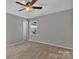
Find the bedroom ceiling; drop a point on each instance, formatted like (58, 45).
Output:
(49, 6)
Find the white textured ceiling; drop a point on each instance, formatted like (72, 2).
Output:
(52, 6)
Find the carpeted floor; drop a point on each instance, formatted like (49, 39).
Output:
(32, 50)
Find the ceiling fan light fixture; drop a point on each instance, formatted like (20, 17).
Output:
(28, 8)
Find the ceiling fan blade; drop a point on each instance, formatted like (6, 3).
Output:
(35, 7)
(22, 9)
(32, 2)
(20, 3)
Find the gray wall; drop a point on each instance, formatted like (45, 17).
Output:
(56, 29)
(14, 29)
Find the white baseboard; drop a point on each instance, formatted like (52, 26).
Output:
(19, 42)
(40, 42)
(52, 44)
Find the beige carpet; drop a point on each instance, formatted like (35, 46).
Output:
(32, 50)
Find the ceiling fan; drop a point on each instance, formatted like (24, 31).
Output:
(29, 5)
